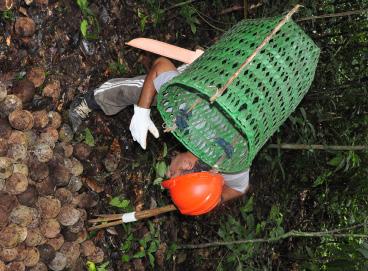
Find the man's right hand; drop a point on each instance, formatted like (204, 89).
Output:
(140, 124)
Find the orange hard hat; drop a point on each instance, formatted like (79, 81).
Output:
(195, 193)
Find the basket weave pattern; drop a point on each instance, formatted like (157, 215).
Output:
(230, 132)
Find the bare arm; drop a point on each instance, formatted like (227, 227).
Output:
(141, 121)
(148, 92)
(229, 193)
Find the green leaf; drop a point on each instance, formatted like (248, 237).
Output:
(248, 206)
(119, 203)
(304, 114)
(83, 4)
(309, 252)
(164, 153)
(135, 164)
(142, 20)
(258, 229)
(102, 267)
(7, 15)
(139, 254)
(117, 68)
(143, 242)
(322, 179)
(193, 27)
(364, 252)
(84, 27)
(161, 169)
(336, 160)
(151, 259)
(354, 158)
(276, 232)
(125, 258)
(91, 266)
(158, 181)
(152, 247)
(171, 251)
(88, 137)
(130, 237)
(274, 213)
(152, 228)
(126, 246)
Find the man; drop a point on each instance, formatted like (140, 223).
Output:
(116, 94)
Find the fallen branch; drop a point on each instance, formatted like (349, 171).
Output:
(253, 55)
(238, 7)
(317, 147)
(179, 5)
(207, 22)
(340, 14)
(332, 233)
(245, 9)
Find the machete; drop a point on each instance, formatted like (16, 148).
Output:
(165, 49)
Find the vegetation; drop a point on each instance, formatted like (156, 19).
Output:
(89, 25)
(91, 266)
(88, 137)
(306, 210)
(7, 15)
(308, 206)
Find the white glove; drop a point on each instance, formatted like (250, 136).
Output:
(140, 124)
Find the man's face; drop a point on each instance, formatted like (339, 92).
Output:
(181, 163)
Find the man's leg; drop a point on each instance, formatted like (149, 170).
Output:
(116, 94)
(111, 97)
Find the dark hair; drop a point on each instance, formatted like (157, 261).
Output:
(198, 167)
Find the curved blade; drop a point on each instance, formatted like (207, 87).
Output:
(165, 49)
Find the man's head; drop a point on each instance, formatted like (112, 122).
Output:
(184, 163)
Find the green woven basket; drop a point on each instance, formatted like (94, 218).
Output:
(228, 133)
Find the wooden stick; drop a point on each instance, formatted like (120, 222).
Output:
(247, 61)
(106, 225)
(207, 22)
(253, 55)
(117, 219)
(179, 5)
(245, 9)
(238, 7)
(340, 14)
(317, 147)
(109, 215)
(104, 219)
(335, 233)
(154, 212)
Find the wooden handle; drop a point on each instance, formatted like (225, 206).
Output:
(153, 212)
(117, 219)
(106, 225)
